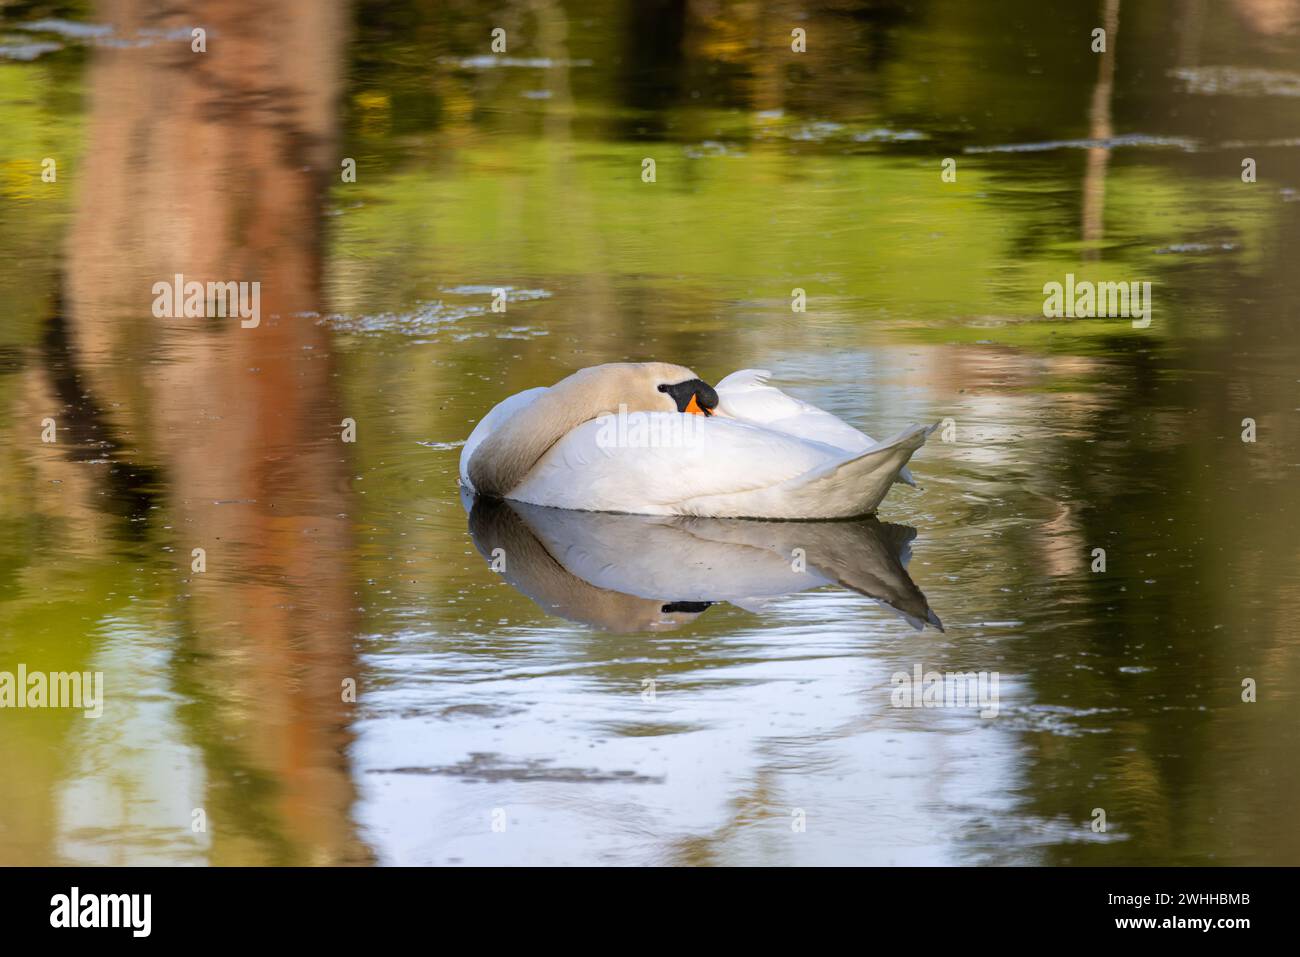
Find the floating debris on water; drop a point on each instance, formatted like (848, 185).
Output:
(512, 294)
(711, 148)
(1109, 143)
(442, 446)
(68, 28)
(1196, 248)
(882, 135)
(27, 51)
(489, 62)
(430, 317)
(1237, 81)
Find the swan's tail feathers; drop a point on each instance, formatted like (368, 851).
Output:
(856, 485)
(905, 475)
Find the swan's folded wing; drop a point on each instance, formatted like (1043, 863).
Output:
(746, 397)
(846, 486)
(654, 462)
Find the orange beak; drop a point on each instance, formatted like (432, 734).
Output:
(693, 407)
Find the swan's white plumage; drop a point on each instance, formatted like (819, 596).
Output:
(745, 395)
(765, 455)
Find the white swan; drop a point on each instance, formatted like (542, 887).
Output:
(612, 438)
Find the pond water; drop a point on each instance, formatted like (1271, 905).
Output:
(636, 691)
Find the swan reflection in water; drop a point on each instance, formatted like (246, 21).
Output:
(629, 573)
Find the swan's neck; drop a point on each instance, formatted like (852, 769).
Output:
(509, 453)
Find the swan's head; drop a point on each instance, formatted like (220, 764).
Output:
(637, 387)
(506, 455)
(686, 391)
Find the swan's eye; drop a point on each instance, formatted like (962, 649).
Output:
(663, 387)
